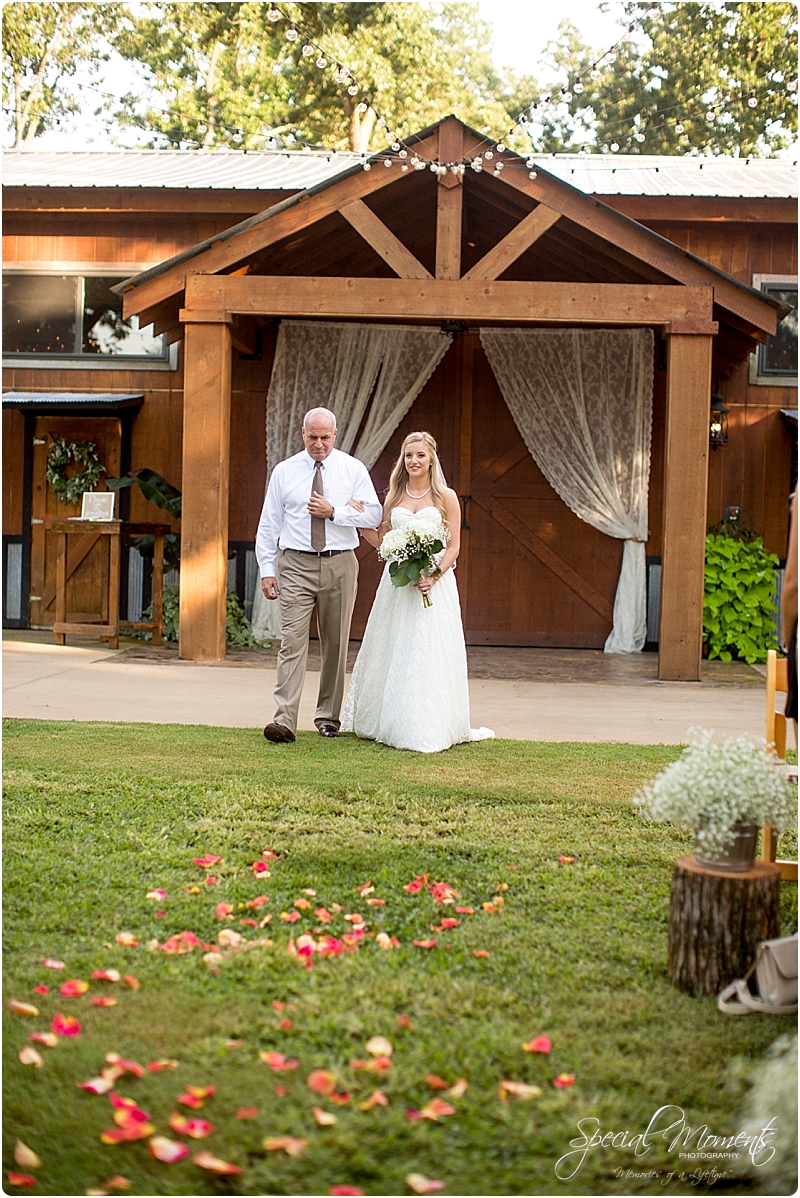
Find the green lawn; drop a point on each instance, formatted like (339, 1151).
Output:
(97, 815)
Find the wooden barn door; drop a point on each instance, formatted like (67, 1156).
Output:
(530, 572)
(87, 563)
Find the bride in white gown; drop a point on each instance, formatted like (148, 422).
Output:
(409, 684)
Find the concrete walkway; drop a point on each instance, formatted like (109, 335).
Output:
(78, 682)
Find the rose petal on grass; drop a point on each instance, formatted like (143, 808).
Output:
(117, 1183)
(207, 1160)
(323, 915)
(22, 1008)
(261, 869)
(539, 1044)
(52, 963)
(270, 855)
(255, 903)
(223, 910)
(167, 1151)
(417, 884)
(198, 1129)
(480, 952)
(302, 904)
(127, 1110)
(340, 1099)
(321, 1081)
(73, 988)
(104, 1000)
(458, 1088)
(97, 1085)
(379, 1046)
(436, 1083)
(518, 1089)
(566, 860)
(106, 975)
(23, 1180)
(405, 1021)
(278, 1062)
(324, 1118)
(291, 1145)
(280, 1091)
(163, 1063)
(285, 1024)
(443, 892)
(437, 1108)
(564, 1081)
(65, 1025)
(385, 941)
(421, 1184)
(113, 1058)
(425, 943)
(41, 989)
(201, 1091)
(48, 1038)
(230, 939)
(465, 910)
(25, 1157)
(342, 1190)
(30, 1056)
(131, 1131)
(206, 861)
(247, 1112)
(159, 894)
(131, 981)
(376, 1098)
(189, 1100)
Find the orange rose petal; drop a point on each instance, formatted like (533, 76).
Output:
(41, 989)
(376, 1098)
(206, 861)
(201, 1091)
(22, 1008)
(131, 1131)
(564, 1080)
(198, 1129)
(436, 1083)
(421, 1184)
(126, 939)
(291, 1145)
(458, 1088)
(539, 1044)
(437, 1108)
(518, 1089)
(131, 981)
(65, 1025)
(164, 1063)
(207, 1160)
(425, 943)
(167, 1151)
(339, 1099)
(104, 1000)
(465, 910)
(321, 1081)
(405, 1021)
(73, 988)
(324, 1118)
(223, 910)
(23, 1180)
(566, 860)
(105, 975)
(247, 1112)
(480, 952)
(190, 1100)
(48, 1038)
(278, 1062)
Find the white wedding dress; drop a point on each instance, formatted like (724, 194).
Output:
(409, 684)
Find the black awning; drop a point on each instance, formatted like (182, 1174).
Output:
(72, 401)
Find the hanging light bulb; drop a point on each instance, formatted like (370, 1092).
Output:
(566, 95)
(752, 102)
(322, 62)
(614, 147)
(654, 13)
(353, 89)
(395, 146)
(500, 148)
(532, 174)
(577, 87)
(680, 127)
(791, 85)
(404, 153)
(367, 166)
(435, 168)
(498, 167)
(381, 123)
(238, 135)
(488, 155)
(531, 162)
(342, 74)
(711, 115)
(419, 165)
(291, 34)
(273, 14)
(362, 107)
(611, 57)
(523, 119)
(404, 167)
(594, 73)
(308, 50)
(202, 127)
(638, 137)
(387, 162)
(477, 167)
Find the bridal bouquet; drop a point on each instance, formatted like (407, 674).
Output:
(411, 551)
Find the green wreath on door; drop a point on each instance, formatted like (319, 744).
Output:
(62, 454)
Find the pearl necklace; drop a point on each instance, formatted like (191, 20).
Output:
(410, 496)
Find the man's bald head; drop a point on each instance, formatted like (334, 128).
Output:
(319, 433)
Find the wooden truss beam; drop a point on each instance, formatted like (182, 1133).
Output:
(627, 235)
(383, 241)
(683, 309)
(262, 231)
(521, 238)
(449, 202)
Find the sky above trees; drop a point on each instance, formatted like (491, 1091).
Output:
(684, 77)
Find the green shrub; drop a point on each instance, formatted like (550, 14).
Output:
(738, 604)
(237, 626)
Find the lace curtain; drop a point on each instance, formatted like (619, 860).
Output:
(339, 366)
(582, 401)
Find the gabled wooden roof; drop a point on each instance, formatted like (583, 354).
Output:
(385, 224)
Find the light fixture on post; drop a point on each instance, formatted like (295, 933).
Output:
(718, 429)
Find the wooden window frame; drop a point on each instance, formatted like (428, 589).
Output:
(85, 361)
(757, 379)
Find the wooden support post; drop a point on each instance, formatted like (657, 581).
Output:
(112, 604)
(685, 489)
(206, 466)
(61, 586)
(449, 200)
(157, 610)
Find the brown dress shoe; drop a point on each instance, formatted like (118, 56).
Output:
(328, 730)
(278, 734)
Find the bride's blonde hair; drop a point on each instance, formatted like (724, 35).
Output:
(399, 478)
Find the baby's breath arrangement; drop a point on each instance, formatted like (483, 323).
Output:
(714, 785)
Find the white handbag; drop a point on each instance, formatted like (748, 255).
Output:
(775, 968)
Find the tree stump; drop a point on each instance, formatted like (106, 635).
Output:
(716, 919)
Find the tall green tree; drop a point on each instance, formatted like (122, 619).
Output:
(713, 78)
(226, 73)
(44, 45)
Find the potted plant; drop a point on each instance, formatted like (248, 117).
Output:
(725, 791)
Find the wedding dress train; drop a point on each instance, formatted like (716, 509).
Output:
(409, 685)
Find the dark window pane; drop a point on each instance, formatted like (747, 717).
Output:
(104, 330)
(779, 355)
(39, 314)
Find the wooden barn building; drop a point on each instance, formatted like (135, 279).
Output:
(212, 253)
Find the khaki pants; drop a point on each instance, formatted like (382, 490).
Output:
(330, 583)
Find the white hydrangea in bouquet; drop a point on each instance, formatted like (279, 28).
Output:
(715, 785)
(412, 550)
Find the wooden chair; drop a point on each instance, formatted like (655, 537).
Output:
(777, 682)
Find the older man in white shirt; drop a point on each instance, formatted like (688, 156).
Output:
(305, 542)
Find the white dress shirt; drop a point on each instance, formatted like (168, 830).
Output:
(285, 519)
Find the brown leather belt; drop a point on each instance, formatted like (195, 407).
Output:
(321, 553)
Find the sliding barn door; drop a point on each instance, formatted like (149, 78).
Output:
(531, 572)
